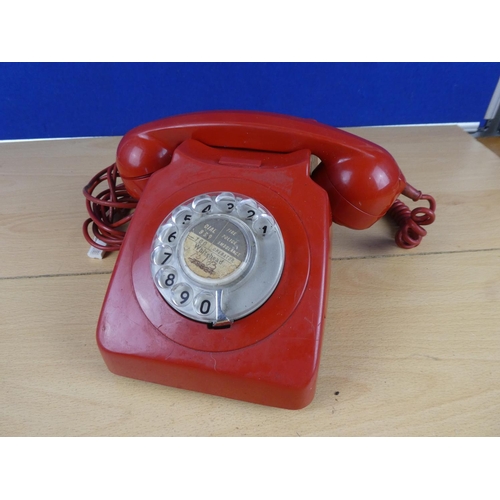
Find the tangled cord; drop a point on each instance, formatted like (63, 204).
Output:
(109, 211)
(410, 223)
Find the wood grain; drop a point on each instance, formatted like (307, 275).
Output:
(411, 346)
(412, 339)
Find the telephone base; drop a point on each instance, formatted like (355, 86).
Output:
(269, 356)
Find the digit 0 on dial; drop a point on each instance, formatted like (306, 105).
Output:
(217, 257)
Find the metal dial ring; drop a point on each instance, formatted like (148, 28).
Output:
(217, 257)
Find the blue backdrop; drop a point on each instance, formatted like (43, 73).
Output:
(83, 99)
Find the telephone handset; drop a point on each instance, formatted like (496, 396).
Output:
(221, 281)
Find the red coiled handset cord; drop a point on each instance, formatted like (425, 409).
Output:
(410, 222)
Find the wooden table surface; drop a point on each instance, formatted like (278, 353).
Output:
(412, 338)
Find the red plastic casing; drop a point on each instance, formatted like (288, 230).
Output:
(270, 357)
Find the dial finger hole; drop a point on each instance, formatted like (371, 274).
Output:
(247, 209)
(168, 234)
(166, 277)
(263, 225)
(203, 204)
(204, 303)
(225, 202)
(182, 294)
(162, 255)
(183, 216)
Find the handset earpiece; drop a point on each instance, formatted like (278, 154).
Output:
(138, 156)
(362, 184)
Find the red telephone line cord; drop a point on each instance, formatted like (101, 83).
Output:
(109, 211)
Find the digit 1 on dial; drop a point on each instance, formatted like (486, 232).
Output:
(262, 225)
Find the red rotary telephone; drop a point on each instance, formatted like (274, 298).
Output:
(221, 281)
